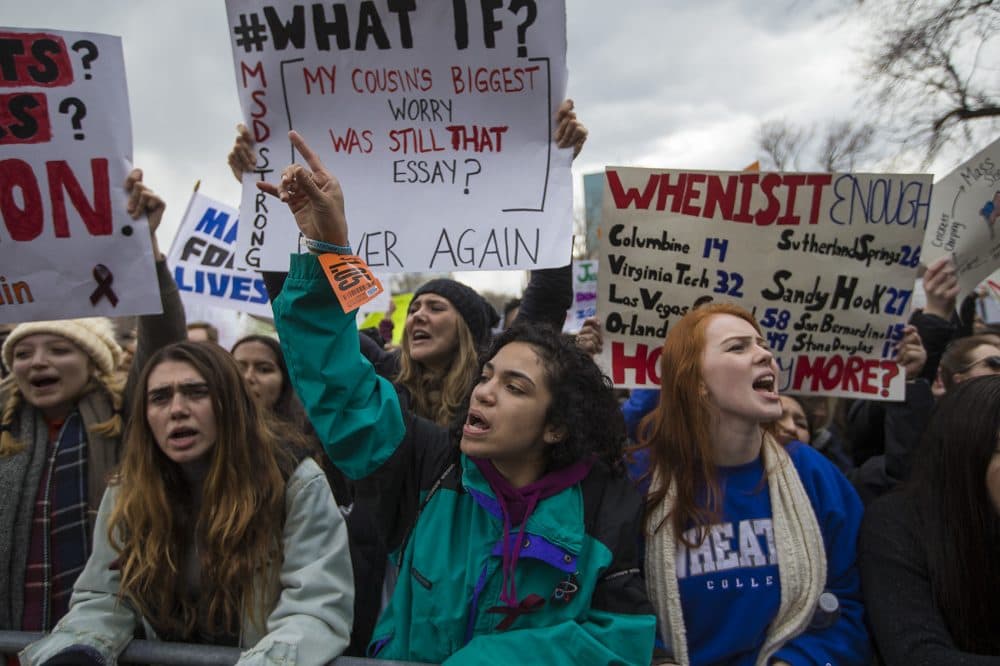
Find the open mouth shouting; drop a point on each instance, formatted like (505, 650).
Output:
(476, 424)
(765, 385)
(182, 437)
(44, 384)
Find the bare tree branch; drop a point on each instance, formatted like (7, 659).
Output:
(932, 68)
(840, 146)
(780, 142)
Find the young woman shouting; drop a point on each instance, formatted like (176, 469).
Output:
(515, 532)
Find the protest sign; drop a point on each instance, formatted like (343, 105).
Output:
(436, 118)
(826, 262)
(988, 297)
(400, 306)
(203, 257)
(584, 295)
(593, 203)
(68, 247)
(963, 219)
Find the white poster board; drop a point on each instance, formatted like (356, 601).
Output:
(436, 117)
(965, 219)
(826, 262)
(68, 247)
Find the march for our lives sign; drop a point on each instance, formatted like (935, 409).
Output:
(203, 260)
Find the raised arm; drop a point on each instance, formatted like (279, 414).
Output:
(155, 331)
(935, 322)
(356, 414)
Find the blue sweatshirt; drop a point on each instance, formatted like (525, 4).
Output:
(730, 587)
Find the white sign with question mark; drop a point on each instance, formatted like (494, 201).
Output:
(438, 120)
(67, 244)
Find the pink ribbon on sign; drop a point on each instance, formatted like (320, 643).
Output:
(104, 278)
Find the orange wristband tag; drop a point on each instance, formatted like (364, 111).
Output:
(351, 279)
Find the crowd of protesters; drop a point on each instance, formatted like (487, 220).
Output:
(480, 493)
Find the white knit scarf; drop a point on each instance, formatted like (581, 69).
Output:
(801, 559)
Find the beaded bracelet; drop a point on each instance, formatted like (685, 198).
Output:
(322, 247)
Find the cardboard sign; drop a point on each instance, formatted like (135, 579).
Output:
(584, 295)
(401, 303)
(203, 258)
(437, 119)
(826, 262)
(68, 247)
(964, 219)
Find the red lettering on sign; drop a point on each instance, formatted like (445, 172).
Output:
(34, 59)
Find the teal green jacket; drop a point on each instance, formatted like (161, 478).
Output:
(442, 520)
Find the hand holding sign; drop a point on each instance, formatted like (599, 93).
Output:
(591, 338)
(143, 201)
(941, 286)
(314, 197)
(241, 157)
(570, 132)
(910, 353)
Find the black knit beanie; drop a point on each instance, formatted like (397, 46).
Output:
(477, 313)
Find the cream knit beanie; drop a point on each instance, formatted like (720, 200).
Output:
(94, 335)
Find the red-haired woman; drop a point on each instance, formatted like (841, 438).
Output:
(750, 554)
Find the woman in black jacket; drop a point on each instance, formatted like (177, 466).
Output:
(930, 553)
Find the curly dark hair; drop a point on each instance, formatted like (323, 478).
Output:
(583, 400)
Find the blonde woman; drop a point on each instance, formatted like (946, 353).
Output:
(750, 552)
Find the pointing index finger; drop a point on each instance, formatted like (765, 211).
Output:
(307, 154)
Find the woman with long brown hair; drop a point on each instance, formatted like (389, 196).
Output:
(750, 555)
(263, 365)
(61, 415)
(930, 553)
(212, 531)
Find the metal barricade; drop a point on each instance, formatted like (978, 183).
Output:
(177, 654)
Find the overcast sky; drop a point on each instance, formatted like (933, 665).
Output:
(659, 83)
